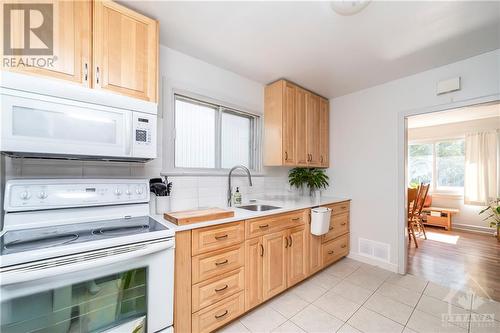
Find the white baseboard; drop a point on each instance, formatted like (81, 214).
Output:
(473, 228)
(371, 261)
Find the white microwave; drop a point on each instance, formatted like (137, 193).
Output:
(44, 126)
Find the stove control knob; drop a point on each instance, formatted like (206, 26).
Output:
(118, 192)
(128, 192)
(139, 190)
(25, 195)
(42, 195)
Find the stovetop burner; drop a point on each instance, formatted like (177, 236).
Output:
(15, 241)
(121, 231)
(40, 242)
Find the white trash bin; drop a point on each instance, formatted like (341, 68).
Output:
(320, 220)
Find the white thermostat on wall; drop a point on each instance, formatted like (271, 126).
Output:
(447, 86)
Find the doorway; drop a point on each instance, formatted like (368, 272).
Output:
(459, 248)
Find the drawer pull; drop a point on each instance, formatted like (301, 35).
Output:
(343, 246)
(343, 223)
(221, 237)
(343, 207)
(221, 315)
(331, 252)
(221, 263)
(330, 228)
(221, 289)
(296, 219)
(263, 226)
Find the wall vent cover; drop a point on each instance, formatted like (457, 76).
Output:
(374, 249)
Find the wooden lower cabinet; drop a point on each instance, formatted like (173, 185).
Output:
(219, 279)
(274, 270)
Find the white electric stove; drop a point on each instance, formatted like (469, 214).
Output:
(84, 256)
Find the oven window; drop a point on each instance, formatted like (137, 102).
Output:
(90, 306)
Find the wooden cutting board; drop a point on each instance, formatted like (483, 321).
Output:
(197, 215)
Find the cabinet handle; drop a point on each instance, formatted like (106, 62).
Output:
(86, 72)
(221, 237)
(291, 241)
(331, 252)
(221, 263)
(263, 226)
(343, 223)
(221, 289)
(222, 315)
(296, 219)
(286, 244)
(321, 158)
(261, 250)
(343, 246)
(97, 74)
(286, 155)
(330, 228)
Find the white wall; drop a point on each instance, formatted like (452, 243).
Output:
(364, 141)
(468, 218)
(183, 73)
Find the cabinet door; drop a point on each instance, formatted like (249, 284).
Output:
(274, 265)
(297, 253)
(254, 252)
(315, 258)
(125, 51)
(71, 42)
(324, 123)
(313, 129)
(289, 125)
(301, 127)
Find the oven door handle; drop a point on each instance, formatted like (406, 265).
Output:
(80, 262)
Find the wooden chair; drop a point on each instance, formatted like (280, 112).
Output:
(415, 213)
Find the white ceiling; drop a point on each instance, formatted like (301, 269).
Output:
(456, 116)
(310, 44)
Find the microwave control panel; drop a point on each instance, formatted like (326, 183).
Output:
(144, 135)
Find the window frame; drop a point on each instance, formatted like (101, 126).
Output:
(255, 159)
(434, 189)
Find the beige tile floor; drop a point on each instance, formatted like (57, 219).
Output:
(351, 296)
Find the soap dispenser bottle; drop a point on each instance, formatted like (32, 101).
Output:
(237, 197)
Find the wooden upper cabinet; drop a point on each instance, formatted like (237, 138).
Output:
(72, 38)
(313, 129)
(301, 129)
(324, 126)
(289, 125)
(125, 51)
(274, 264)
(293, 130)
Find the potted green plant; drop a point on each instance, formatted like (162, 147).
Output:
(314, 179)
(493, 211)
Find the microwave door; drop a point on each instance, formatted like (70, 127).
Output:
(63, 127)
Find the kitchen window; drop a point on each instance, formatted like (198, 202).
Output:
(212, 136)
(440, 163)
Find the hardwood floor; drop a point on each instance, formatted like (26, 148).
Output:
(459, 260)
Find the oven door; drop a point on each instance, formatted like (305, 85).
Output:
(122, 289)
(43, 125)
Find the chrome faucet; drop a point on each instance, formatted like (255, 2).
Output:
(229, 189)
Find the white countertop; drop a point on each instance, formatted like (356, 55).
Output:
(286, 204)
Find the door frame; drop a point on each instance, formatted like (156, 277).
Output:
(402, 165)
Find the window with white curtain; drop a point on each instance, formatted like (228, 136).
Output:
(211, 136)
(440, 163)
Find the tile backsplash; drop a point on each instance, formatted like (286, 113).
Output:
(188, 191)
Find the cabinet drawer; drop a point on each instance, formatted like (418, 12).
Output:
(214, 316)
(218, 262)
(335, 249)
(217, 237)
(339, 208)
(269, 224)
(216, 289)
(339, 225)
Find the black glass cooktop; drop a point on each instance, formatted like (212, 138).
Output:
(38, 238)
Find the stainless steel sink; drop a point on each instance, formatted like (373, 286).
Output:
(259, 208)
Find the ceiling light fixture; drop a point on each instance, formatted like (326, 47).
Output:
(349, 7)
